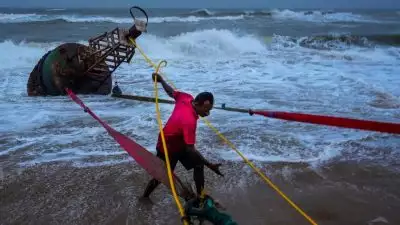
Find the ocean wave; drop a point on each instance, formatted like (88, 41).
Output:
(342, 48)
(20, 54)
(204, 43)
(196, 16)
(209, 13)
(321, 16)
(311, 16)
(222, 44)
(201, 12)
(55, 9)
(32, 17)
(328, 42)
(191, 44)
(18, 18)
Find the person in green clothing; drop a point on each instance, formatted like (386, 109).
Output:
(208, 211)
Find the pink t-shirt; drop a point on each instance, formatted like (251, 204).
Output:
(180, 128)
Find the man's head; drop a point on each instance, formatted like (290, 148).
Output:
(203, 103)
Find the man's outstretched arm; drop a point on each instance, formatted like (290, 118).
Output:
(191, 148)
(213, 167)
(167, 88)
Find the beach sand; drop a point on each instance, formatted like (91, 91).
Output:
(337, 193)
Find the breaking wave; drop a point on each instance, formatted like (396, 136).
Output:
(311, 16)
(209, 13)
(32, 17)
(195, 16)
(321, 16)
(204, 43)
(326, 42)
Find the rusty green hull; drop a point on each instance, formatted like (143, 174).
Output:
(62, 68)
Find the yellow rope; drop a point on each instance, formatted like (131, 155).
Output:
(264, 177)
(178, 203)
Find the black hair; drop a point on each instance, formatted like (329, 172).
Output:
(204, 96)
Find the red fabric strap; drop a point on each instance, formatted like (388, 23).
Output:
(151, 163)
(334, 121)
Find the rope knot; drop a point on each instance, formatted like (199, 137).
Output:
(251, 112)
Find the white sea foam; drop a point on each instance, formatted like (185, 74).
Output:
(241, 70)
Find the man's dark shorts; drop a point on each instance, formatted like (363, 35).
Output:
(188, 159)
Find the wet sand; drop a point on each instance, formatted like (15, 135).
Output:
(337, 193)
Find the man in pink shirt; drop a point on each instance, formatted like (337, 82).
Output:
(180, 135)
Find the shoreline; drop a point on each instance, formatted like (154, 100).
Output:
(337, 193)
